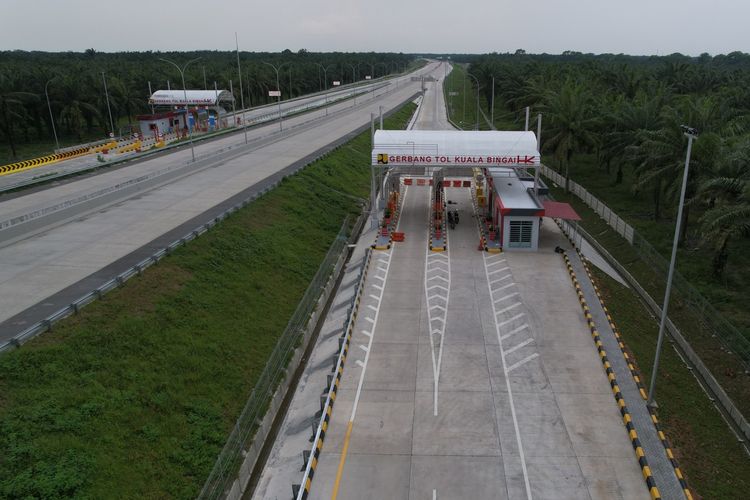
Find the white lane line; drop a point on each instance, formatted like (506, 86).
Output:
(366, 333)
(501, 278)
(502, 311)
(506, 297)
(515, 331)
(437, 300)
(378, 287)
(372, 307)
(503, 287)
(364, 347)
(521, 454)
(498, 270)
(373, 296)
(511, 320)
(518, 346)
(522, 362)
(370, 319)
(495, 262)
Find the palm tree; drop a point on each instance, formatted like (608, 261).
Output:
(728, 196)
(12, 109)
(571, 123)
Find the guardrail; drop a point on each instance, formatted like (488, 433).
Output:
(732, 339)
(240, 451)
(715, 391)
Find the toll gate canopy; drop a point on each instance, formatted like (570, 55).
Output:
(455, 148)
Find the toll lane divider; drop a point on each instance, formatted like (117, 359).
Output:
(624, 412)
(43, 160)
(302, 491)
(635, 372)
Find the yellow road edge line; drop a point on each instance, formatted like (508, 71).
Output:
(342, 461)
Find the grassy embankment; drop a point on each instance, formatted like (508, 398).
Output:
(135, 396)
(715, 464)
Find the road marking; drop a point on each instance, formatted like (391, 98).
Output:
(498, 270)
(373, 296)
(518, 346)
(372, 307)
(386, 258)
(494, 262)
(500, 279)
(370, 320)
(515, 331)
(504, 287)
(511, 320)
(437, 267)
(521, 454)
(501, 311)
(506, 297)
(522, 362)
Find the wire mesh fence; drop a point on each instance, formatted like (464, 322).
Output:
(729, 335)
(229, 460)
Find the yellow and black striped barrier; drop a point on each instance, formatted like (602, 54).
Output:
(638, 380)
(624, 412)
(312, 463)
(43, 160)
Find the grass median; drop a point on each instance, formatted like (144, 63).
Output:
(135, 396)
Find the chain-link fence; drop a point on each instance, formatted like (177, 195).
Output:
(228, 463)
(729, 335)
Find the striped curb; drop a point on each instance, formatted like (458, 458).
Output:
(637, 378)
(626, 418)
(43, 160)
(325, 419)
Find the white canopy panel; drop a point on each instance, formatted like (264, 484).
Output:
(194, 97)
(455, 148)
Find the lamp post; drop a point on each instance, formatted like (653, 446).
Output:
(325, 77)
(109, 110)
(476, 80)
(51, 118)
(691, 134)
(278, 88)
(184, 91)
(354, 82)
(372, 72)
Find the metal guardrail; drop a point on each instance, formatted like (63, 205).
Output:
(715, 391)
(224, 473)
(726, 333)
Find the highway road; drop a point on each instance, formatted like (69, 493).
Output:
(469, 375)
(58, 243)
(252, 117)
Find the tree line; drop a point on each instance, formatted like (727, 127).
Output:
(626, 112)
(75, 84)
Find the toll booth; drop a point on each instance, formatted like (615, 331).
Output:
(180, 111)
(508, 188)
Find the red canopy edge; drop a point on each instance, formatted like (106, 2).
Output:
(558, 210)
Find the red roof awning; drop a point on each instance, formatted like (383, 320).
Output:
(558, 210)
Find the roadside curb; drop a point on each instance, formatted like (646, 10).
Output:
(302, 492)
(626, 417)
(635, 372)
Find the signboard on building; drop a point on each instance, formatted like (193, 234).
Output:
(274, 93)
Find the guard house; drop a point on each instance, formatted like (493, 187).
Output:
(179, 110)
(509, 164)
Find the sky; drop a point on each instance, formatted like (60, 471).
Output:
(641, 27)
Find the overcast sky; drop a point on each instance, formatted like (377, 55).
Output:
(436, 26)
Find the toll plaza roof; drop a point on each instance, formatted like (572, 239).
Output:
(512, 191)
(455, 148)
(194, 97)
(558, 210)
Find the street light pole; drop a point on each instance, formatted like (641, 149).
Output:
(184, 91)
(51, 118)
(492, 105)
(691, 134)
(354, 82)
(278, 88)
(477, 80)
(325, 77)
(109, 110)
